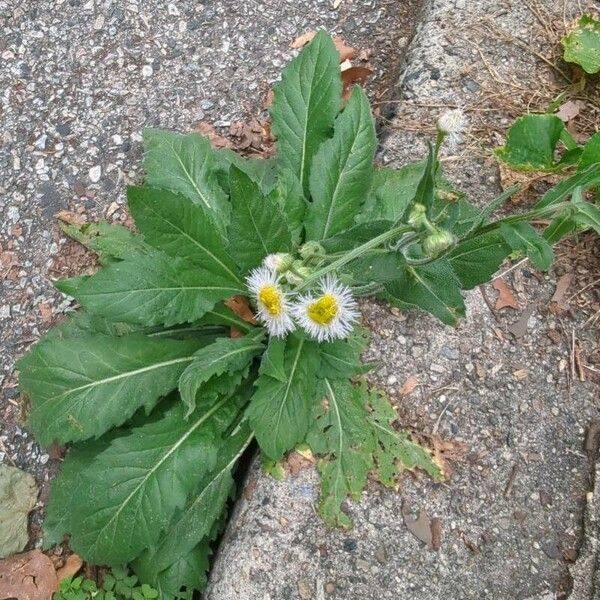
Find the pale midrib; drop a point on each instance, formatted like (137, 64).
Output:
(169, 289)
(162, 460)
(339, 182)
(428, 288)
(191, 180)
(198, 500)
(232, 353)
(287, 389)
(114, 378)
(339, 420)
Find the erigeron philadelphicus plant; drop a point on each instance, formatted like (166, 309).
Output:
(156, 396)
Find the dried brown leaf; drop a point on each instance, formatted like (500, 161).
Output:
(351, 76)
(420, 527)
(46, 312)
(505, 296)
(239, 305)
(521, 374)
(558, 302)
(70, 217)
(28, 576)
(70, 568)
(217, 141)
(303, 39)
(569, 110)
(447, 451)
(409, 385)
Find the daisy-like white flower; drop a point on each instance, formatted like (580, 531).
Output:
(273, 305)
(328, 315)
(452, 124)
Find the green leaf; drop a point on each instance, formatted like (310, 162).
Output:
(133, 489)
(184, 164)
(258, 225)
(482, 216)
(155, 289)
(588, 214)
(305, 104)
(272, 363)
(280, 411)
(225, 355)
(425, 193)
(432, 287)
(591, 152)
(82, 387)
(170, 223)
(582, 45)
(339, 432)
(531, 143)
(523, 237)
(559, 227)
(341, 170)
(584, 179)
(289, 195)
(223, 315)
(353, 432)
(392, 191)
(183, 577)
(107, 240)
(355, 236)
(394, 446)
(203, 509)
(68, 486)
(341, 358)
(262, 171)
(476, 259)
(378, 268)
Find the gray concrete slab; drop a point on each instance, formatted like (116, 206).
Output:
(513, 510)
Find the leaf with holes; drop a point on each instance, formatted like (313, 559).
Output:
(582, 45)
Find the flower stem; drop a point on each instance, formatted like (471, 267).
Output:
(354, 254)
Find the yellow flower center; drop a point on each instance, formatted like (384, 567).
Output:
(324, 310)
(270, 298)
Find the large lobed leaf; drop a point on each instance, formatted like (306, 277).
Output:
(305, 104)
(82, 387)
(281, 408)
(258, 224)
(226, 355)
(131, 490)
(178, 227)
(353, 432)
(153, 289)
(196, 522)
(184, 164)
(341, 171)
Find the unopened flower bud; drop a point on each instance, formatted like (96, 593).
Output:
(279, 263)
(435, 243)
(311, 249)
(417, 216)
